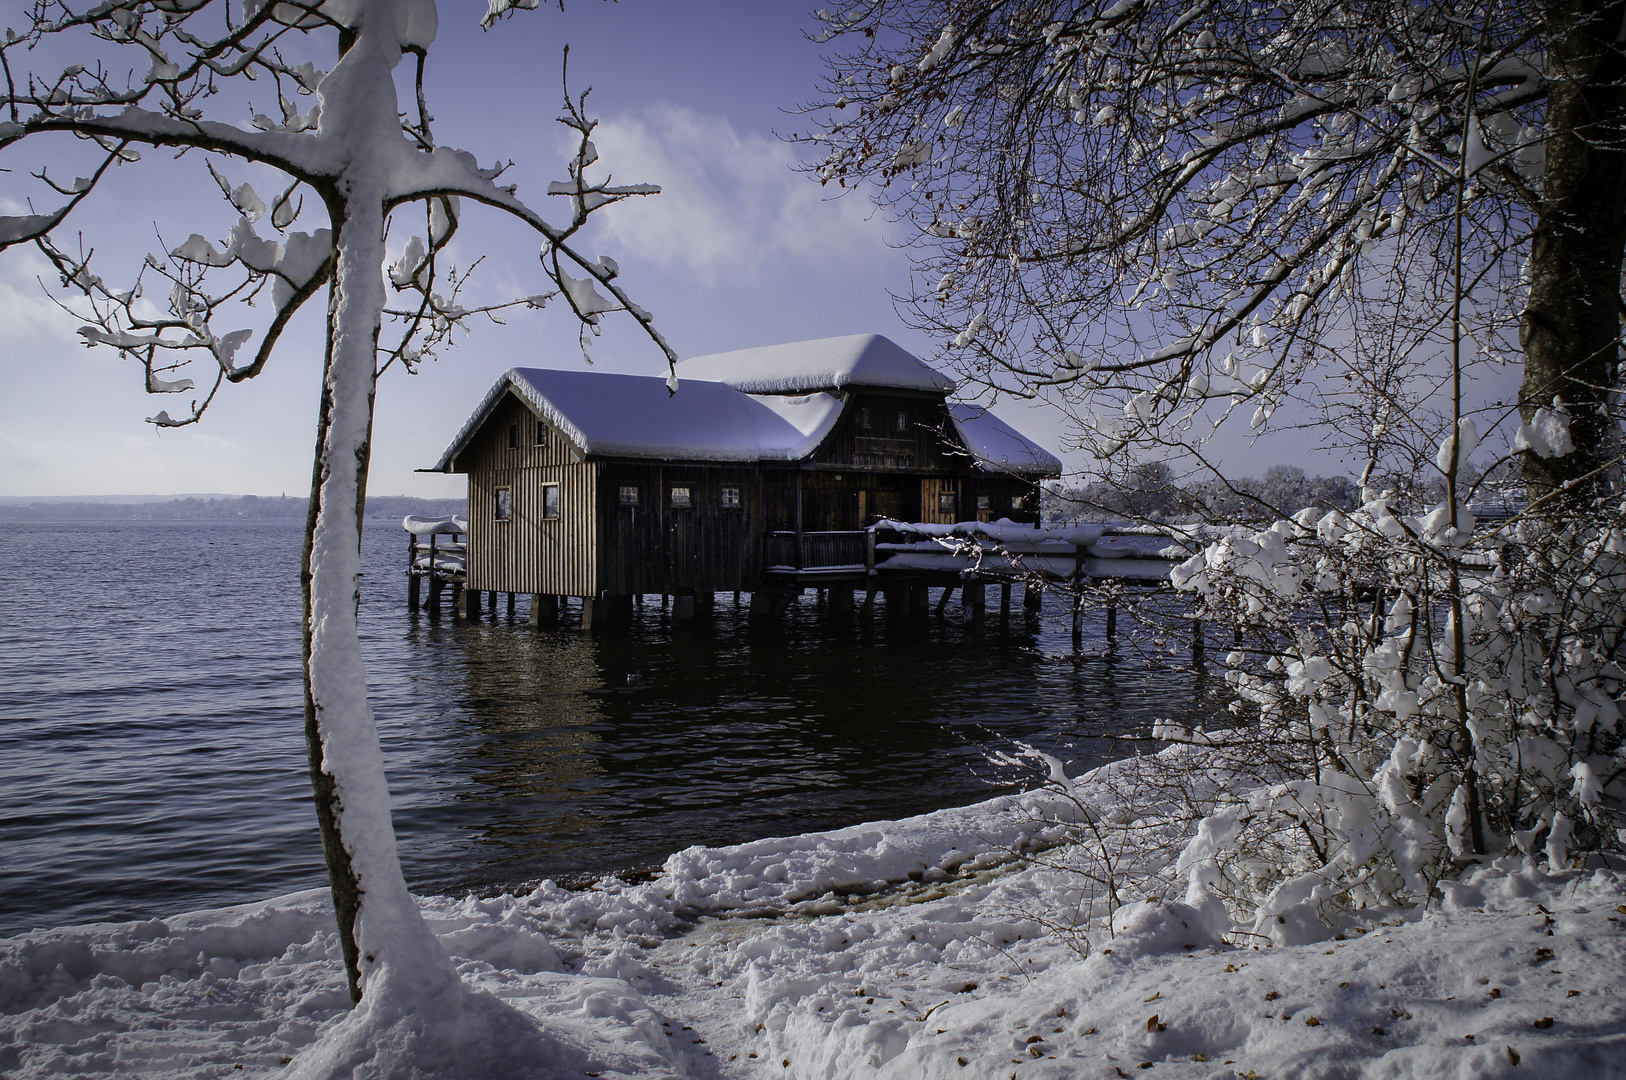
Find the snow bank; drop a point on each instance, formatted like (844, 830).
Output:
(919, 948)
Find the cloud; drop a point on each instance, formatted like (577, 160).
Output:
(26, 311)
(731, 207)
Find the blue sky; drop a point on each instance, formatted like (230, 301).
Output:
(739, 250)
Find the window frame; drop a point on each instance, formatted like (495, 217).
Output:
(541, 433)
(558, 510)
(622, 499)
(687, 497)
(502, 503)
(513, 436)
(738, 494)
(948, 502)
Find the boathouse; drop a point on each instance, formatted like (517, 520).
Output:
(766, 463)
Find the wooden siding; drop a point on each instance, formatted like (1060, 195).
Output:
(940, 501)
(658, 547)
(905, 434)
(528, 553)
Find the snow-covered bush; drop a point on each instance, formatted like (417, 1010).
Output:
(1415, 696)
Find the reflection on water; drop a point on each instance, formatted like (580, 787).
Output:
(152, 754)
(587, 754)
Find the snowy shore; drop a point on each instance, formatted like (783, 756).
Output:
(918, 948)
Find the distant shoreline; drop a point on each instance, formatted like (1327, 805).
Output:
(212, 508)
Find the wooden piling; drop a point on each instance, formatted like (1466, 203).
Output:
(920, 600)
(761, 606)
(841, 606)
(1032, 597)
(602, 614)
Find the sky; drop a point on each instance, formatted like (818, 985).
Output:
(739, 250)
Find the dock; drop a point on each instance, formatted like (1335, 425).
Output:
(899, 562)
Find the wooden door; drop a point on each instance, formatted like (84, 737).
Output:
(940, 501)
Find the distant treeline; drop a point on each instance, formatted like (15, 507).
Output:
(247, 507)
(1151, 492)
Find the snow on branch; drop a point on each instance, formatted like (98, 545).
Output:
(1108, 199)
(177, 67)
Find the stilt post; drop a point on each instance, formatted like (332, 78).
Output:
(975, 594)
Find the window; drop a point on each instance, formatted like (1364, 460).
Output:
(866, 420)
(1016, 502)
(680, 497)
(550, 501)
(541, 432)
(629, 494)
(903, 422)
(945, 502)
(513, 436)
(504, 506)
(985, 502)
(731, 497)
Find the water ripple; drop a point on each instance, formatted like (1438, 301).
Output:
(152, 744)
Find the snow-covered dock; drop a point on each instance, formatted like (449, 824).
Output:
(437, 553)
(902, 561)
(898, 561)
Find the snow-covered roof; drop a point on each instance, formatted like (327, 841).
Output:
(801, 367)
(996, 445)
(608, 415)
(634, 416)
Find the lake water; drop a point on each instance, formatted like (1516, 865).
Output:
(152, 752)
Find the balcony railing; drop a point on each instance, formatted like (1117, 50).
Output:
(815, 550)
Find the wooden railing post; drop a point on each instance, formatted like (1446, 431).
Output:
(414, 583)
(434, 578)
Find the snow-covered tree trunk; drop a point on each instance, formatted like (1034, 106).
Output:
(364, 160)
(1571, 325)
(378, 918)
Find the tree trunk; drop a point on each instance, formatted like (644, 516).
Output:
(382, 933)
(324, 785)
(1571, 326)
